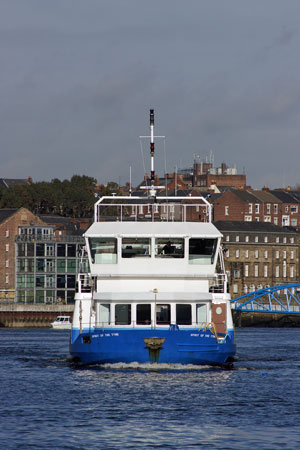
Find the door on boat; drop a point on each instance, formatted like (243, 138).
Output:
(219, 317)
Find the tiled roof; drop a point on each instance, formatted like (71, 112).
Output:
(266, 197)
(255, 227)
(7, 182)
(285, 197)
(6, 213)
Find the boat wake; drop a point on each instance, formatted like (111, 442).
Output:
(156, 367)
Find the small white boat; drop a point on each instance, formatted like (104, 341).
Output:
(61, 323)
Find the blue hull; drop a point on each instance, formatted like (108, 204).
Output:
(171, 346)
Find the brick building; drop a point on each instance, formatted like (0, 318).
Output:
(39, 257)
(259, 255)
(206, 175)
(277, 207)
(10, 220)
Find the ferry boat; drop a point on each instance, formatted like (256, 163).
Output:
(156, 290)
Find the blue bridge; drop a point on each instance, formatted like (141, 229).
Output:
(282, 299)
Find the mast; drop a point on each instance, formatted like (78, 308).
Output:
(152, 190)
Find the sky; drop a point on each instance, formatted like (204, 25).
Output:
(78, 78)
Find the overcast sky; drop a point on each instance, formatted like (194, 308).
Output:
(78, 77)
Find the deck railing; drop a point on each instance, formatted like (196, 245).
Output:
(166, 209)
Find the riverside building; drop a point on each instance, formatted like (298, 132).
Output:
(259, 255)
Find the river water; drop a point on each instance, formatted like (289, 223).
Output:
(48, 403)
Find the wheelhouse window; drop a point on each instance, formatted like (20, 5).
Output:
(202, 251)
(163, 314)
(143, 314)
(183, 314)
(136, 247)
(123, 314)
(169, 248)
(103, 250)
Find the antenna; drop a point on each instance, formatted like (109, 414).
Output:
(152, 188)
(152, 145)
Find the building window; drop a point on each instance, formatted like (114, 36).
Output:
(7, 263)
(237, 239)
(256, 270)
(286, 209)
(266, 239)
(245, 289)
(226, 210)
(250, 208)
(275, 208)
(256, 208)
(277, 254)
(256, 254)
(235, 288)
(292, 254)
(236, 273)
(237, 253)
(252, 287)
(246, 238)
(246, 253)
(268, 208)
(267, 218)
(277, 271)
(284, 254)
(266, 254)
(227, 254)
(291, 240)
(293, 222)
(7, 279)
(7, 233)
(284, 240)
(227, 238)
(7, 247)
(248, 218)
(256, 239)
(284, 269)
(141, 209)
(265, 270)
(246, 270)
(292, 271)
(275, 220)
(277, 239)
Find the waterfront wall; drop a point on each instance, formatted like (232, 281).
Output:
(14, 315)
(244, 319)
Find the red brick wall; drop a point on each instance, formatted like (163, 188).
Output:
(22, 217)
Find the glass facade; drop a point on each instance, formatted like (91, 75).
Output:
(46, 269)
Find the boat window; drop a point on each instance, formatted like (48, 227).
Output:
(202, 251)
(103, 250)
(163, 314)
(123, 314)
(169, 248)
(143, 314)
(136, 247)
(103, 314)
(201, 313)
(183, 314)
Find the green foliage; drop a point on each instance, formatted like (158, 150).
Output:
(75, 197)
